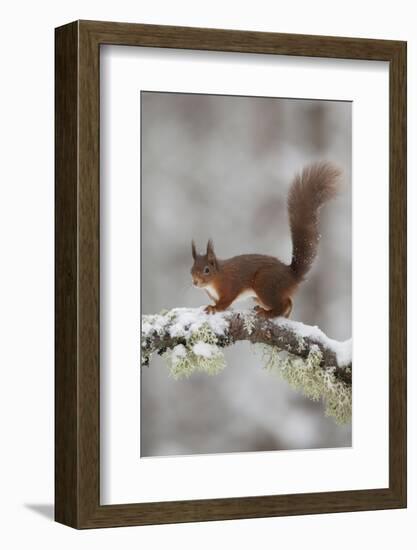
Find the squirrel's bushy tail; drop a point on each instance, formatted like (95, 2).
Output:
(317, 184)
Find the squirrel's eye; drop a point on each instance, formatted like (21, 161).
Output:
(206, 270)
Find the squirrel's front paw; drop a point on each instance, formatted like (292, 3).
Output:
(210, 309)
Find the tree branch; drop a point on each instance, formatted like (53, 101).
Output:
(173, 329)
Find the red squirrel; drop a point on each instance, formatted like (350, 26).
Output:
(270, 282)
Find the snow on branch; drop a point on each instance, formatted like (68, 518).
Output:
(192, 340)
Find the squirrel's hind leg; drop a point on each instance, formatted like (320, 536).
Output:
(282, 309)
(260, 306)
(273, 291)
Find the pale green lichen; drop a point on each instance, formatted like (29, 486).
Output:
(300, 344)
(307, 375)
(203, 334)
(248, 321)
(183, 360)
(145, 356)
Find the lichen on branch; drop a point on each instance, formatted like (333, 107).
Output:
(191, 341)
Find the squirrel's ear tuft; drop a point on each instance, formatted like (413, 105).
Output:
(211, 256)
(193, 250)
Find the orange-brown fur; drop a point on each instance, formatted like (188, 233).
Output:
(273, 282)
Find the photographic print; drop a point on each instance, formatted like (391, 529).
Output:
(246, 270)
(212, 264)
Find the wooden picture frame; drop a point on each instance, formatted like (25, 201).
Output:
(77, 373)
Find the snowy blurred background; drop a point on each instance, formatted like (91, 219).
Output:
(220, 167)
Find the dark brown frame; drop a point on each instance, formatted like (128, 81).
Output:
(77, 406)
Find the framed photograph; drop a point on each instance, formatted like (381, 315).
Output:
(230, 274)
